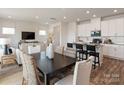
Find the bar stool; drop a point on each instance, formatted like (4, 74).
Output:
(91, 51)
(79, 49)
(70, 45)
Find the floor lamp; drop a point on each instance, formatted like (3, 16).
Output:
(5, 42)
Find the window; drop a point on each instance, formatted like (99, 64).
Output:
(42, 32)
(6, 30)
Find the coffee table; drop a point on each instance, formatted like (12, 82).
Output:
(50, 67)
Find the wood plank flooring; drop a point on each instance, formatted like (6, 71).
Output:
(111, 72)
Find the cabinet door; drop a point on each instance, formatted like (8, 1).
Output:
(88, 29)
(105, 50)
(84, 30)
(112, 28)
(95, 23)
(81, 30)
(120, 52)
(119, 27)
(104, 28)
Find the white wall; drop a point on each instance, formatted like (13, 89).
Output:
(64, 33)
(20, 26)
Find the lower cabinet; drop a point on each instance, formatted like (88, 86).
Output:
(114, 51)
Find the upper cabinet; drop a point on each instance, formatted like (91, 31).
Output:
(119, 27)
(113, 27)
(95, 24)
(84, 29)
(104, 28)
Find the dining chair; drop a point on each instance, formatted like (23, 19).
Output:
(25, 77)
(39, 74)
(81, 74)
(29, 74)
(81, 51)
(70, 45)
(91, 51)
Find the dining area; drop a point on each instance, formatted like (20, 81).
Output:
(62, 69)
(39, 70)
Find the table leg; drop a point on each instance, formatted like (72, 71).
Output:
(46, 79)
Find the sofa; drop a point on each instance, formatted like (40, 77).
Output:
(65, 50)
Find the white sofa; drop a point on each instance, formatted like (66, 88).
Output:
(64, 50)
(30, 48)
(71, 52)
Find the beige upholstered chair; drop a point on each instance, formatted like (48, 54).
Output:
(29, 74)
(81, 74)
(31, 79)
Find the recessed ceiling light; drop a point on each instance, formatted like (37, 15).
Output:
(87, 12)
(78, 19)
(9, 17)
(115, 11)
(65, 17)
(94, 15)
(37, 17)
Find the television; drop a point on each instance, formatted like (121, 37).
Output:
(28, 35)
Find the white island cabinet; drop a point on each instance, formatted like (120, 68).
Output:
(114, 51)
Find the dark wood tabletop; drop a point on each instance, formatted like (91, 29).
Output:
(50, 66)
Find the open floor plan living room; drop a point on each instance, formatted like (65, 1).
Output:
(61, 46)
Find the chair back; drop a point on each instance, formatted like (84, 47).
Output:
(29, 75)
(25, 77)
(79, 46)
(70, 45)
(91, 48)
(82, 72)
(39, 74)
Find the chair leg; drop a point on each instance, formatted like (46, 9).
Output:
(98, 61)
(76, 55)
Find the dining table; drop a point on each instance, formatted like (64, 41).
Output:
(50, 67)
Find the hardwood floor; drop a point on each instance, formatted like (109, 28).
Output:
(11, 75)
(111, 72)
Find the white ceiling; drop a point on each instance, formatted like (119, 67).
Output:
(29, 14)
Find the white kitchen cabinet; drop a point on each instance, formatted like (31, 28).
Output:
(109, 50)
(81, 30)
(112, 28)
(95, 24)
(84, 29)
(114, 51)
(104, 28)
(120, 52)
(88, 30)
(105, 49)
(119, 24)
